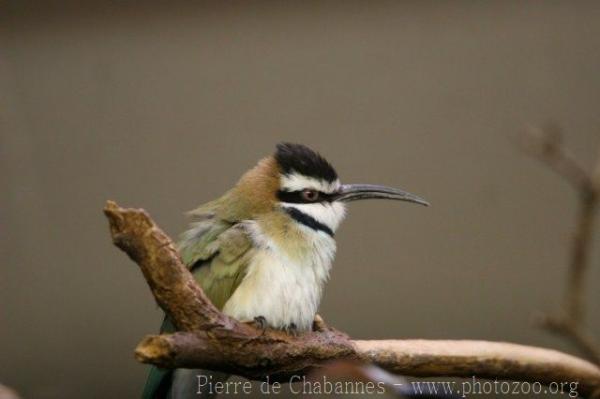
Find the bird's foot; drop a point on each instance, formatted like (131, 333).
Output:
(292, 329)
(259, 322)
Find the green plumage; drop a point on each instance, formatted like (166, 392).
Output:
(218, 251)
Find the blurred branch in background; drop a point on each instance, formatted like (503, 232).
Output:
(7, 393)
(209, 339)
(546, 144)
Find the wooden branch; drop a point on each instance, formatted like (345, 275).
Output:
(546, 145)
(484, 359)
(174, 288)
(212, 340)
(256, 358)
(275, 354)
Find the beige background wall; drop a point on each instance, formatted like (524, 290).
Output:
(163, 107)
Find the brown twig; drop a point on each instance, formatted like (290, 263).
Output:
(546, 145)
(212, 340)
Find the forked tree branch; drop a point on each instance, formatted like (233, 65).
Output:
(212, 340)
(547, 146)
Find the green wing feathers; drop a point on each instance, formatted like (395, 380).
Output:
(218, 252)
(220, 277)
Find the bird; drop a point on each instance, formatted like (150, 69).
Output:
(263, 251)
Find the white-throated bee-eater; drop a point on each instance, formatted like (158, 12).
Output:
(262, 252)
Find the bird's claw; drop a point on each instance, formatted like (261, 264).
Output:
(260, 322)
(292, 329)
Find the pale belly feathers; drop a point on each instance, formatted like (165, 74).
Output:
(285, 290)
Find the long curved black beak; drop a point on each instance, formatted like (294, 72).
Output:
(353, 192)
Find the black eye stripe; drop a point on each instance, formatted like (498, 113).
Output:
(295, 197)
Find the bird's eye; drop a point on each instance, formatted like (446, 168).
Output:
(310, 195)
